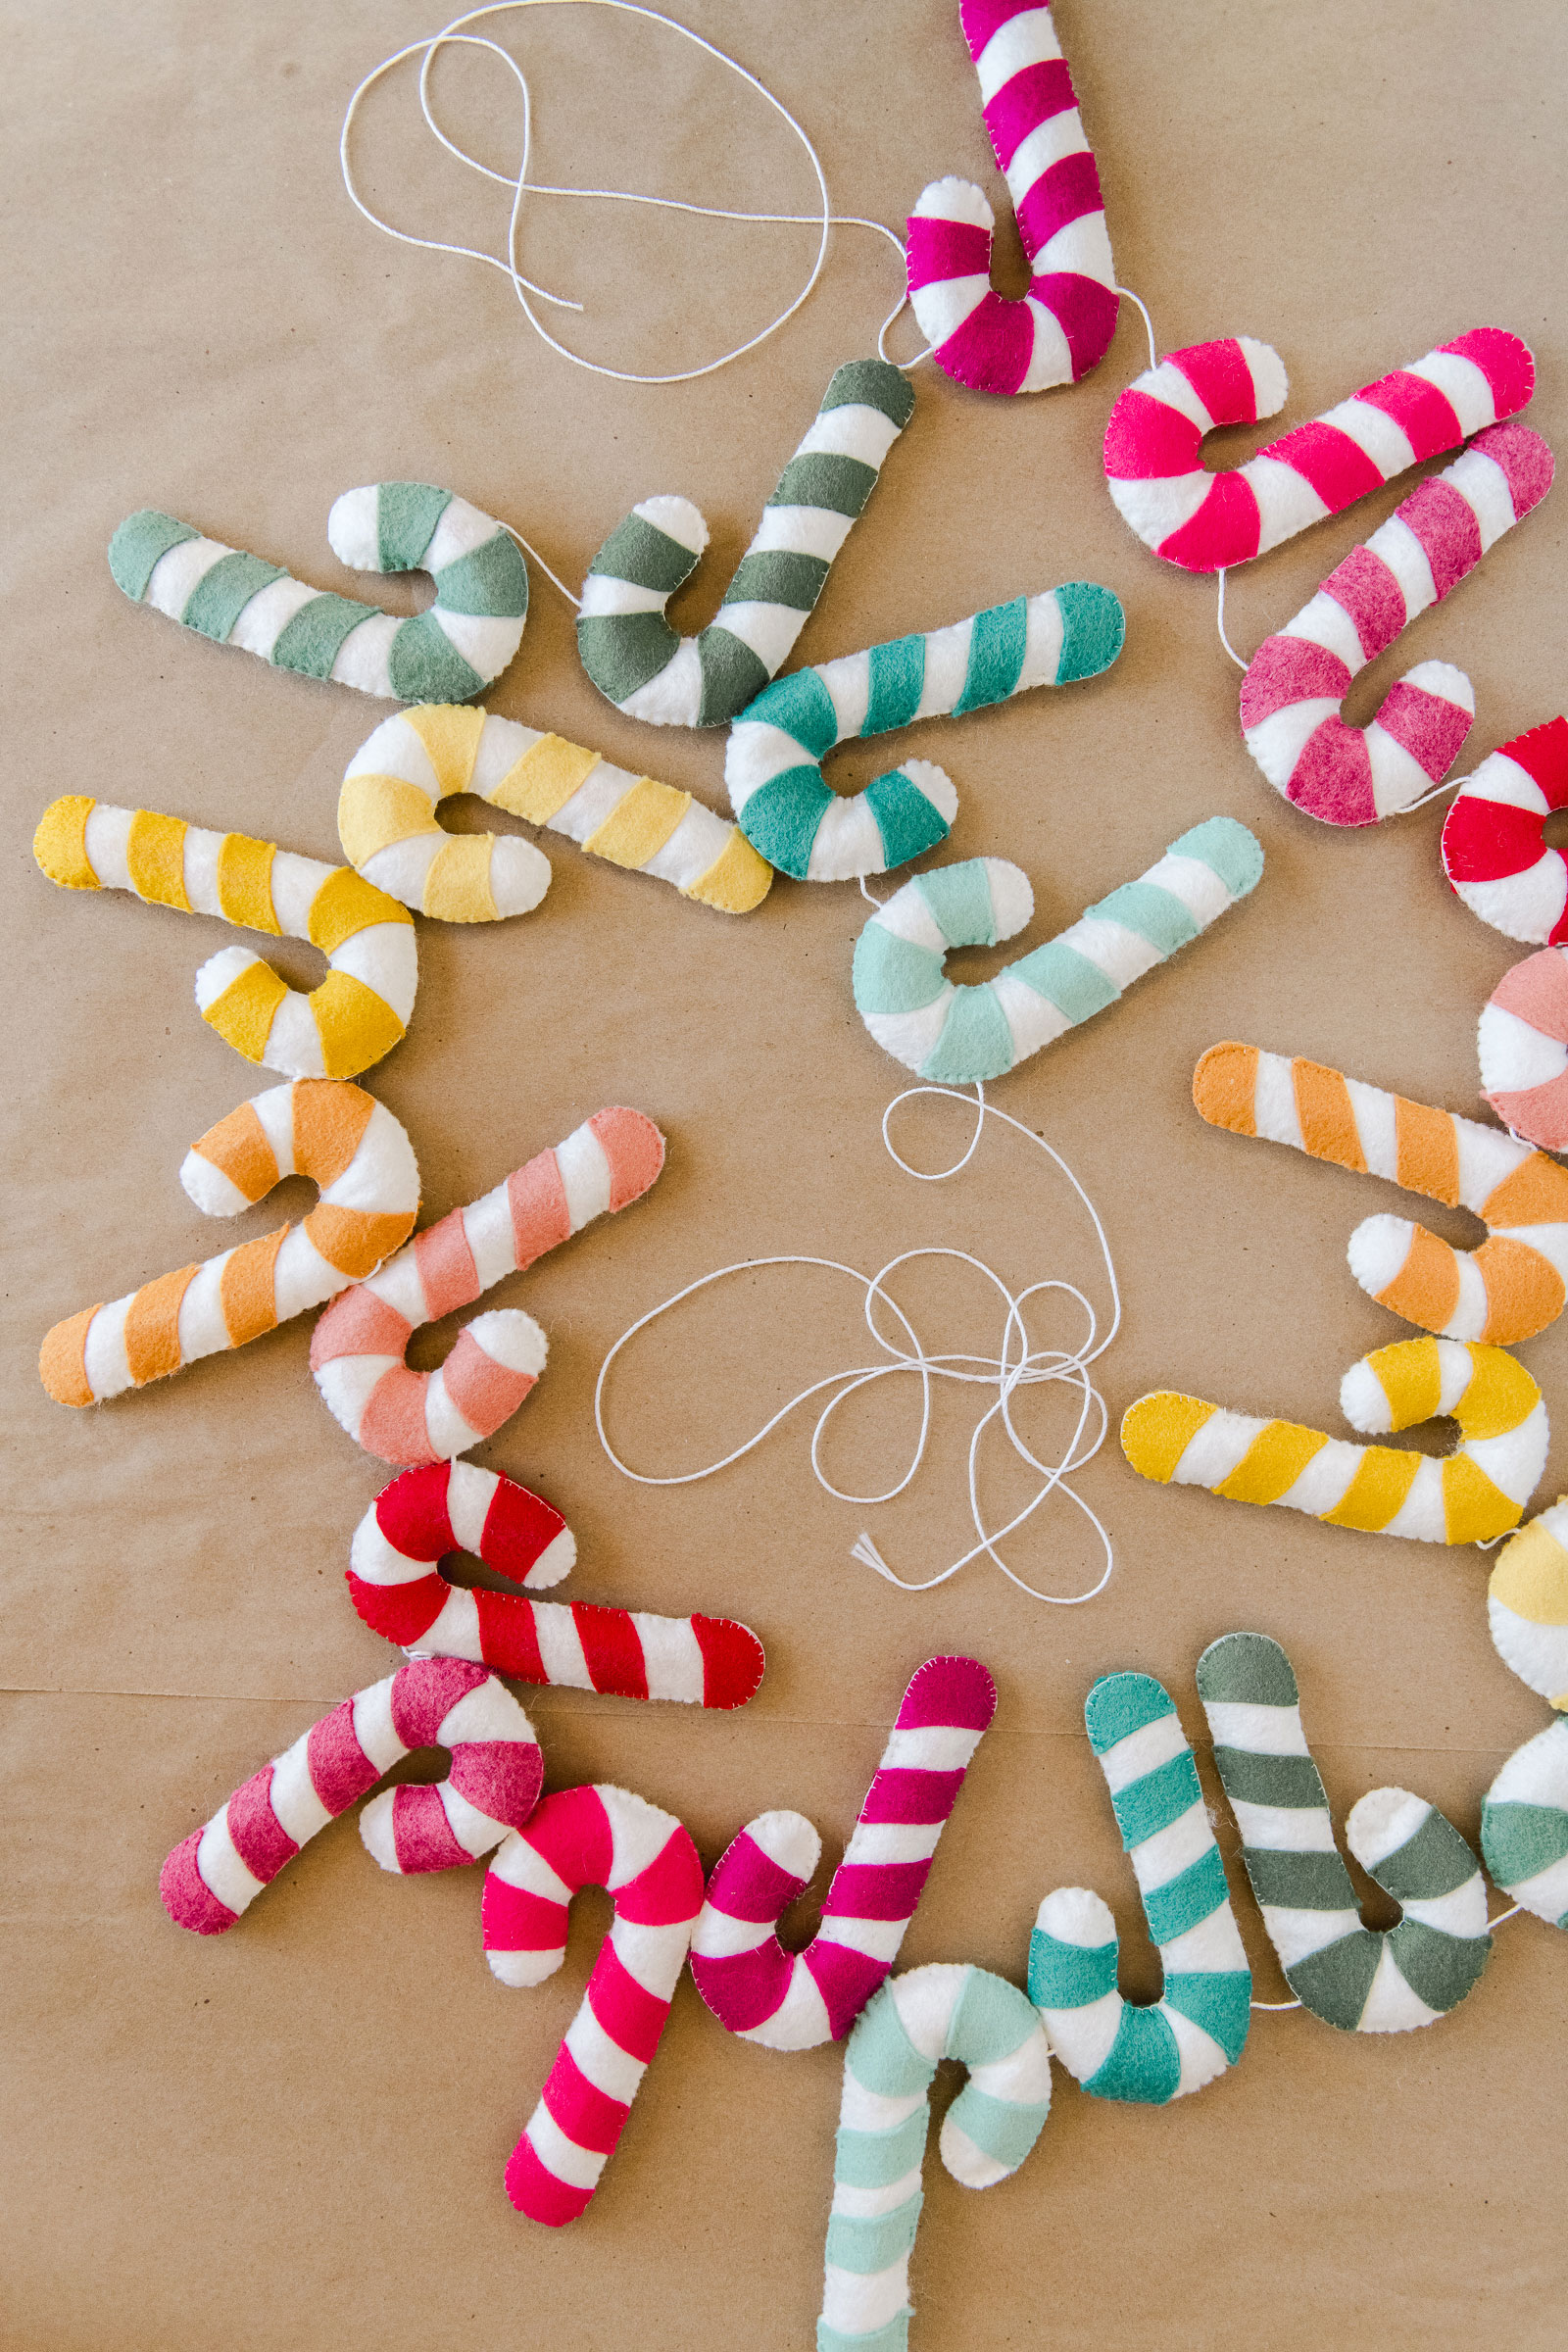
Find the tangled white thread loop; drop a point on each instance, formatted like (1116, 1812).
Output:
(1018, 1365)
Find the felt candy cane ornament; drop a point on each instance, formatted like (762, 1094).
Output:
(386, 818)
(1299, 678)
(774, 761)
(324, 1128)
(1207, 521)
(956, 1035)
(360, 1011)
(1062, 328)
(627, 646)
(1494, 850)
(1524, 1817)
(786, 2001)
(890, 2062)
(358, 1350)
(645, 1859)
(396, 1584)
(1522, 1045)
(1363, 1980)
(493, 1787)
(1527, 1605)
(1510, 1288)
(446, 654)
(1198, 2026)
(1477, 1493)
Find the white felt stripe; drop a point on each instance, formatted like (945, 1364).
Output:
(1142, 1751)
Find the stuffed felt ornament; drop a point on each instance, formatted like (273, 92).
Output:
(446, 654)
(1524, 1819)
(1062, 328)
(324, 1128)
(342, 1028)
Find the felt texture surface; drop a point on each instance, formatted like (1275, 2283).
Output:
(1494, 850)
(295, 2132)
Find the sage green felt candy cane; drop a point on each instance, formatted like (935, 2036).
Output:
(627, 646)
(446, 654)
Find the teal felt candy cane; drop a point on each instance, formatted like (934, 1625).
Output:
(1198, 2028)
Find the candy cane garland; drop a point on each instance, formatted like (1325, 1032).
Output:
(1510, 1288)
(396, 1585)
(1471, 1495)
(324, 1128)
(1363, 1980)
(1207, 522)
(497, 1772)
(1494, 850)
(773, 762)
(956, 1035)
(446, 654)
(793, 2001)
(357, 1350)
(890, 2061)
(386, 818)
(1198, 2026)
(342, 1028)
(627, 646)
(1063, 326)
(1524, 1826)
(1298, 679)
(600, 1836)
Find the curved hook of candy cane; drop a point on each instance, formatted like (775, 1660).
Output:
(358, 1350)
(1163, 2050)
(342, 1028)
(1469, 1496)
(645, 1859)
(1363, 1980)
(1298, 679)
(336, 1134)
(1510, 1288)
(773, 759)
(890, 2060)
(396, 1585)
(1062, 328)
(446, 654)
(627, 646)
(786, 2001)
(1527, 1606)
(1494, 850)
(1207, 522)
(386, 818)
(1524, 1825)
(962, 1035)
(493, 1787)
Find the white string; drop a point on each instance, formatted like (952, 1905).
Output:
(1492, 1925)
(1018, 1365)
(529, 549)
(1224, 640)
(453, 35)
(1148, 323)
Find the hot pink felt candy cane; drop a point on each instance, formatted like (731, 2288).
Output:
(396, 1585)
(1063, 327)
(793, 2001)
(358, 1347)
(646, 1860)
(1205, 522)
(1298, 679)
(497, 1772)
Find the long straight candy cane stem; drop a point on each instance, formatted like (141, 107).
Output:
(795, 2001)
(446, 654)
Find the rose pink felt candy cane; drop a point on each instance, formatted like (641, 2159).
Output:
(396, 1585)
(793, 2001)
(1299, 678)
(1063, 325)
(357, 1349)
(497, 1772)
(1205, 522)
(646, 1860)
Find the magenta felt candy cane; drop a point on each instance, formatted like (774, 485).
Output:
(1205, 522)
(1063, 327)
(358, 1346)
(396, 1585)
(793, 2001)
(1298, 679)
(497, 1772)
(646, 1861)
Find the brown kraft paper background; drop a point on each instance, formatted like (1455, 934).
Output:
(294, 2135)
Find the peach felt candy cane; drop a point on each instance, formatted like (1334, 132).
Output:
(357, 1353)
(645, 1859)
